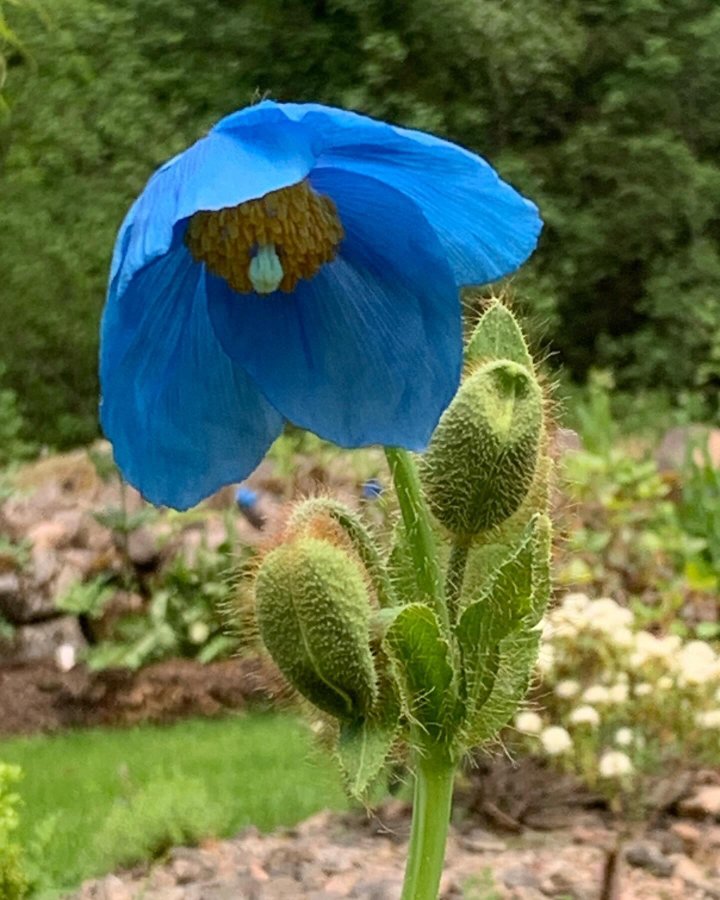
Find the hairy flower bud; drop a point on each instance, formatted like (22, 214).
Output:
(482, 457)
(314, 612)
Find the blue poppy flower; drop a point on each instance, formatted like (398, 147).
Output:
(297, 263)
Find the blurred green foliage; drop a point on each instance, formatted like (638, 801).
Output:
(13, 881)
(606, 112)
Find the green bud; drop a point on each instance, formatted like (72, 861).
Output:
(313, 610)
(482, 457)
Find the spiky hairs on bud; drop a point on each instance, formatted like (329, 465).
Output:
(482, 457)
(313, 611)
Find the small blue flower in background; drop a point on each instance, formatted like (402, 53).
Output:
(246, 498)
(372, 489)
(298, 263)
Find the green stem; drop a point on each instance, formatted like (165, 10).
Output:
(432, 803)
(455, 577)
(421, 540)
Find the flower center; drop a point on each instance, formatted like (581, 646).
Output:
(267, 244)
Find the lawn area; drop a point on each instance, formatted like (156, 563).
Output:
(117, 794)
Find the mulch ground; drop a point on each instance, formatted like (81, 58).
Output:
(38, 698)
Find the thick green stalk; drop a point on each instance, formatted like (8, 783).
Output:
(421, 540)
(434, 778)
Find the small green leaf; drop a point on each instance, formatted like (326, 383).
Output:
(498, 336)
(422, 658)
(513, 598)
(516, 659)
(363, 748)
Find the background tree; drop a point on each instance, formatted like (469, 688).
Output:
(607, 112)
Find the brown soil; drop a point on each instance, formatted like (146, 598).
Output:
(38, 698)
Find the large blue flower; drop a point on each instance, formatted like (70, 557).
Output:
(298, 263)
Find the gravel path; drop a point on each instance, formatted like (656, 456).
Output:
(330, 857)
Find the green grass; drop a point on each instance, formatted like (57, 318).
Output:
(117, 794)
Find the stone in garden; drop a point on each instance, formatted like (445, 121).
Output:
(44, 565)
(40, 641)
(142, 548)
(705, 802)
(384, 888)
(564, 441)
(188, 865)
(11, 600)
(675, 446)
(645, 855)
(51, 534)
(693, 876)
(520, 876)
(479, 841)
(689, 835)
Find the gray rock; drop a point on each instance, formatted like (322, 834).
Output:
(519, 876)
(704, 803)
(645, 855)
(188, 865)
(377, 889)
(40, 641)
(142, 548)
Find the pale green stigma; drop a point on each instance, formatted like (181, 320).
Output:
(265, 270)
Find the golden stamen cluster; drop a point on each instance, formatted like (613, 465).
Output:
(303, 226)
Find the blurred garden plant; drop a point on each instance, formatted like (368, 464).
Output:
(622, 704)
(303, 263)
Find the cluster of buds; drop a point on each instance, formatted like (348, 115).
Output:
(358, 632)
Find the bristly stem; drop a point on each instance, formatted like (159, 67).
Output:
(432, 803)
(420, 538)
(455, 577)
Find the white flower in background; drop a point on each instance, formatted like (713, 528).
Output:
(528, 722)
(648, 647)
(575, 603)
(546, 658)
(709, 719)
(556, 740)
(624, 737)
(199, 632)
(585, 715)
(596, 693)
(567, 688)
(644, 689)
(615, 764)
(665, 682)
(623, 638)
(608, 616)
(65, 657)
(619, 693)
(698, 663)
(569, 618)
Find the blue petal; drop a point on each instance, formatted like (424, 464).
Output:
(487, 229)
(261, 152)
(183, 420)
(369, 350)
